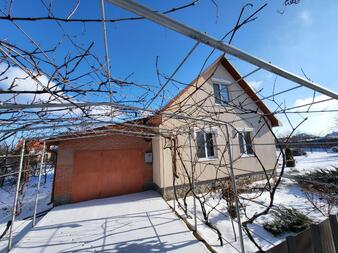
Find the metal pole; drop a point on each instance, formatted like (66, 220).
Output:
(39, 182)
(173, 154)
(106, 49)
(234, 186)
(193, 182)
(208, 40)
(174, 203)
(16, 196)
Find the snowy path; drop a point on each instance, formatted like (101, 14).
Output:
(140, 222)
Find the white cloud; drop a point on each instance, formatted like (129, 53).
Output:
(256, 85)
(318, 123)
(18, 80)
(305, 17)
(104, 113)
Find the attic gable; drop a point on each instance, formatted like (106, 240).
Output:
(208, 74)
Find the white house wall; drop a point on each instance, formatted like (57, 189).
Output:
(201, 104)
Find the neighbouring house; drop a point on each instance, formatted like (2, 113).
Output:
(188, 134)
(32, 146)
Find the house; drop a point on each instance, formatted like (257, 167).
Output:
(187, 136)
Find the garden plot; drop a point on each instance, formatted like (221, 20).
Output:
(288, 194)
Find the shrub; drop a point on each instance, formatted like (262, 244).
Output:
(290, 161)
(232, 211)
(320, 188)
(229, 196)
(286, 220)
(322, 179)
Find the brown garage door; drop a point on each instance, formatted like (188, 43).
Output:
(99, 174)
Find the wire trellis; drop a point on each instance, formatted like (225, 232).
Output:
(66, 103)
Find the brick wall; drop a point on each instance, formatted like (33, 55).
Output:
(65, 160)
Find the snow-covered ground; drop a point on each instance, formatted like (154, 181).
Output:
(313, 161)
(140, 222)
(27, 202)
(288, 194)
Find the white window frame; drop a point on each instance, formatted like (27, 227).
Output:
(213, 131)
(220, 83)
(245, 130)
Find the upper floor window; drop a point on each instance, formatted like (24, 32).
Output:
(205, 144)
(245, 142)
(221, 93)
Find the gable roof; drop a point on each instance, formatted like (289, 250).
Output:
(206, 74)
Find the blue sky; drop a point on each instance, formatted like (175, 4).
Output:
(305, 36)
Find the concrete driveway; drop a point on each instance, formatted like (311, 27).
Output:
(140, 222)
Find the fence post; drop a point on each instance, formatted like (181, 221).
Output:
(291, 241)
(334, 230)
(39, 182)
(315, 238)
(16, 196)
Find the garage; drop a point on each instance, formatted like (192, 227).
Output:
(99, 174)
(101, 166)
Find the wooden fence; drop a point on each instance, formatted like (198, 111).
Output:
(319, 238)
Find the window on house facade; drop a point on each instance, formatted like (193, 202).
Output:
(245, 142)
(205, 144)
(221, 93)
